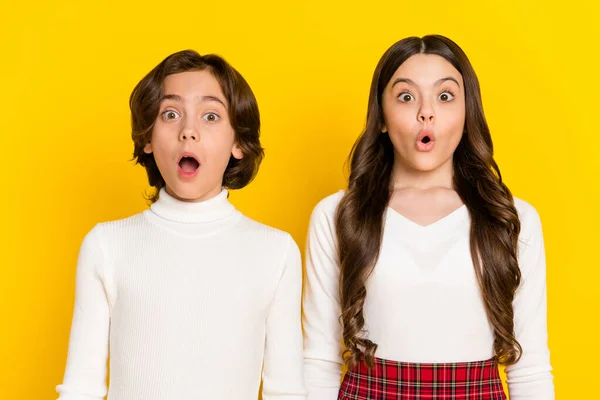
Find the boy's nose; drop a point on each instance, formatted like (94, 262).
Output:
(186, 136)
(188, 133)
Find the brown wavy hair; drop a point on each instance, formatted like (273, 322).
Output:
(495, 225)
(144, 103)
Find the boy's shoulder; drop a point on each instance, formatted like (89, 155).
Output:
(130, 222)
(115, 230)
(261, 232)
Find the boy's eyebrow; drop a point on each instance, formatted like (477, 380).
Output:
(203, 99)
(213, 98)
(171, 97)
(437, 83)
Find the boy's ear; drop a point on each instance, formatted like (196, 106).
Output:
(148, 148)
(237, 152)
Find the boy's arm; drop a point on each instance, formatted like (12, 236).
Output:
(85, 375)
(283, 371)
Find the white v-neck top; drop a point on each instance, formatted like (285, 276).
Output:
(423, 301)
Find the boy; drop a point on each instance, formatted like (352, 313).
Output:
(193, 297)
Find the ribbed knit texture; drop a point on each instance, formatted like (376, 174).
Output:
(190, 298)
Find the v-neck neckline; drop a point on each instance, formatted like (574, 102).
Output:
(448, 220)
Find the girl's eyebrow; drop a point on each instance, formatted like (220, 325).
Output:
(203, 99)
(403, 80)
(437, 83)
(448, 78)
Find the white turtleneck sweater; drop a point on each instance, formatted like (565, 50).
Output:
(194, 300)
(423, 301)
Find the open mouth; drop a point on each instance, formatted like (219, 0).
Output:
(425, 141)
(188, 164)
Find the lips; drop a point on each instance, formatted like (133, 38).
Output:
(188, 165)
(425, 140)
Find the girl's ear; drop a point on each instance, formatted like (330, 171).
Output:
(237, 152)
(148, 148)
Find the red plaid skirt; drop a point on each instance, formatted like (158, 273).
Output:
(478, 380)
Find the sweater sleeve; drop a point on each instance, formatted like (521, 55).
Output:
(85, 374)
(321, 306)
(282, 372)
(530, 378)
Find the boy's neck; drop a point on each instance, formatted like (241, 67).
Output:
(172, 209)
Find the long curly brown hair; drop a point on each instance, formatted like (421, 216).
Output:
(495, 225)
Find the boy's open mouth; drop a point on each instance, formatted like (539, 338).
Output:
(188, 164)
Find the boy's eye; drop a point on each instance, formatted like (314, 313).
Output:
(211, 117)
(170, 115)
(405, 97)
(446, 96)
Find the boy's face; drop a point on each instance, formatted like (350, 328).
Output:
(192, 139)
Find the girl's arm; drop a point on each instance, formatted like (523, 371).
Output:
(85, 375)
(321, 305)
(530, 378)
(282, 372)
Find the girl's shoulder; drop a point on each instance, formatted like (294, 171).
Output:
(328, 205)
(531, 224)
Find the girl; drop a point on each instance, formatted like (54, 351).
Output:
(193, 299)
(426, 272)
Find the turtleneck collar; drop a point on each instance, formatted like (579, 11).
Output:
(171, 209)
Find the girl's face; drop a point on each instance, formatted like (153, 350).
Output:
(424, 112)
(192, 139)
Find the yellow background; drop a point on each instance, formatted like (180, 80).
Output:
(68, 68)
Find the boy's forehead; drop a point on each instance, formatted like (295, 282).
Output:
(192, 84)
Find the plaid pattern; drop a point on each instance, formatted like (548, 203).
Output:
(478, 380)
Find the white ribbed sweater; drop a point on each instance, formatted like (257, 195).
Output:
(194, 300)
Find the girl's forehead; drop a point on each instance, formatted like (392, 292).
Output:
(426, 69)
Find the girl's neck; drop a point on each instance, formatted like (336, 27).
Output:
(406, 177)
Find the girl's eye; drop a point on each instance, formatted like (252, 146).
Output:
(170, 115)
(446, 96)
(405, 97)
(211, 117)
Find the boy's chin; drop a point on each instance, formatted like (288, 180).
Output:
(190, 192)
